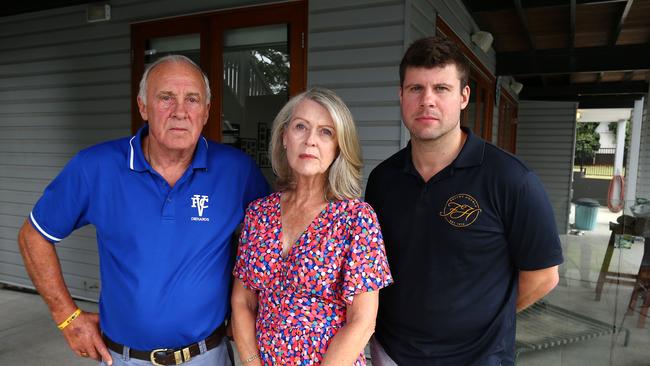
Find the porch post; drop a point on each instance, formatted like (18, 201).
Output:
(633, 155)
(620, 147)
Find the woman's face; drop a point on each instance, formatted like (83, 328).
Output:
(310, 140)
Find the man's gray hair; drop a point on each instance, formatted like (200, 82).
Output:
(142, 93)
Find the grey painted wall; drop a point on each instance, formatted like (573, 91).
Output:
(64, 85)
(354, 49)
(545, 141)
(454, 13)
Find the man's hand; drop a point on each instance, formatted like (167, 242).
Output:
(84, 338)
(43, 267)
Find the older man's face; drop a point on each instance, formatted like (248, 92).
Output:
(176, 107)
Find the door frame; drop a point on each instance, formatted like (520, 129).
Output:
(483, 78)
(211, 27)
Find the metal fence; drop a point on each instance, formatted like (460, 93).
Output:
(601, 164)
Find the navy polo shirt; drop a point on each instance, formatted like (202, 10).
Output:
(455, 245)
(165, 254)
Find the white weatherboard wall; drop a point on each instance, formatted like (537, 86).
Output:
(545, 142)
(64, 85)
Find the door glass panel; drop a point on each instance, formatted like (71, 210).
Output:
(471, 106)
(504, 127)
(480, 124)
(186, 44)
(254, 89)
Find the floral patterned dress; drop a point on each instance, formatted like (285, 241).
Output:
(302, 298)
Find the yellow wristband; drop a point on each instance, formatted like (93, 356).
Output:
(72, 317)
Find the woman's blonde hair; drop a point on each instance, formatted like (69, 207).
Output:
(344, 175)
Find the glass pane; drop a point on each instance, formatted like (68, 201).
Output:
(471, 106)
(255, 87)
(598, 314)
(187, 44)
(505, 120)
(507, 129)
(480, 113)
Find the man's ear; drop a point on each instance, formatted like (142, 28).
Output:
(142, 108)
(464, 97)
(207, 114)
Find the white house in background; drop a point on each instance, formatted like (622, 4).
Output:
(605, 116)
(607, 138)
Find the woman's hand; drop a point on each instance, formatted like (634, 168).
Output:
(244, 313)
(351, 340)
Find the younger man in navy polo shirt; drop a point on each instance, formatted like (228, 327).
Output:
(469, 232)
(164, 203)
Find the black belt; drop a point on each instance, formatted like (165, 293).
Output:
(168, 356)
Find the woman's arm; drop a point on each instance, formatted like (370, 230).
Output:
(350, 340)
(244, 312)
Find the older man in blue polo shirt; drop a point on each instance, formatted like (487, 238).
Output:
(469, 231)
(165, 204)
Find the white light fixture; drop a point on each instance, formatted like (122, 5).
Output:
(516, 86)
(98, 12)
(483, 40)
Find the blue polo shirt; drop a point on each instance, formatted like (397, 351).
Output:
(455, 245)
(165, 252)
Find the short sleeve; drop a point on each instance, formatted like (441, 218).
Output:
(64, 204)
(533, 239)
(242, 261)
(366, 266)
(256, 185)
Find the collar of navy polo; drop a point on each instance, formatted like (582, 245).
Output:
(470, 155)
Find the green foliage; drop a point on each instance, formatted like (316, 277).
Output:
(587, 141)
(274, 65)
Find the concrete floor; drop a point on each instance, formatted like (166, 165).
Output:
(28, 337)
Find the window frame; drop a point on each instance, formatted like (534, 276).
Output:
(485, 81)
(211, 27)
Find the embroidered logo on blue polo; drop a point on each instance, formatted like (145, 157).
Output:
(200, 202)
(461, 210)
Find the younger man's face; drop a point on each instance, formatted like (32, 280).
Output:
(432, 100)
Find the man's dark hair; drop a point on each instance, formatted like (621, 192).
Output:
(436, 51)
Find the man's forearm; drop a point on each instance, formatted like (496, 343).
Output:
(44, 269)
(533, 285)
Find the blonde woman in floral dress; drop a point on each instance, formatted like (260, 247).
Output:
(311, 258)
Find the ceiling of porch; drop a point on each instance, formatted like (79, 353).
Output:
(594, 51)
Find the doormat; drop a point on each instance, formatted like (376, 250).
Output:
(543, 326)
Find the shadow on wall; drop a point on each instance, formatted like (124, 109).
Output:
(590, 188)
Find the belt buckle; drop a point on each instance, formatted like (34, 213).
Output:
(152, 355)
